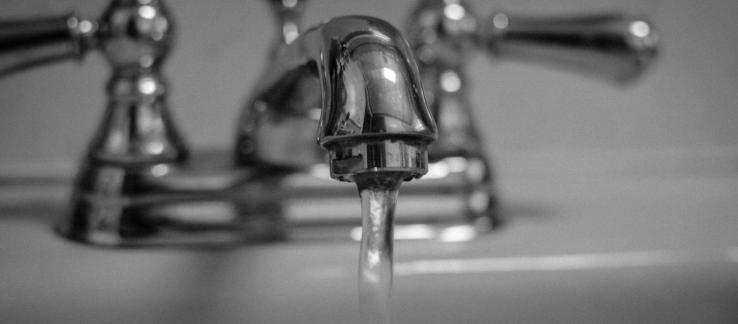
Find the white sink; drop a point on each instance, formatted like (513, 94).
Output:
(631, 245)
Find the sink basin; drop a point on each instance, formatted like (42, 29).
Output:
(647, 239)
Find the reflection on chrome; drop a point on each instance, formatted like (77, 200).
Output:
(370, 93)
(450, 81)
(454, 11)
(640, 29)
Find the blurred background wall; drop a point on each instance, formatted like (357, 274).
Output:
(687, 100)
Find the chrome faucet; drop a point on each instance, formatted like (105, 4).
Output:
(444, 33)
(277, 126)
(137, 183)
(350, 86)
(372, 115)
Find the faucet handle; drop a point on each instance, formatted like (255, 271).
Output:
(26, 43)
(137, 139)
(616, 47)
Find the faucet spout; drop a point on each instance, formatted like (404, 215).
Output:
(354, 79)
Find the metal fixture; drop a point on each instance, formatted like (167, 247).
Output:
(352, 80)
(137, 186)
(372, 112)
(136, 137)
(444, 33)
(275, 133)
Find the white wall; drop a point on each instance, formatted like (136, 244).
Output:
(687, 100)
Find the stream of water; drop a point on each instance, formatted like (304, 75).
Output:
(375, 256)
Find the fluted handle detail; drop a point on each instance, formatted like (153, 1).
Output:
(30, 42)
(612, 46)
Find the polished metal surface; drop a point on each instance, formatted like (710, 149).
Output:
(370, 93)
(611, 46)
(443, 40)
(377, 88)
(136, 138)
(27, 43)
(129, 198)
(350, 86)
(444, 34)
(137, 186)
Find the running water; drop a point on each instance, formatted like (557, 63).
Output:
(378, 201)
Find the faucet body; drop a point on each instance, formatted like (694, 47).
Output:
(369, 111)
